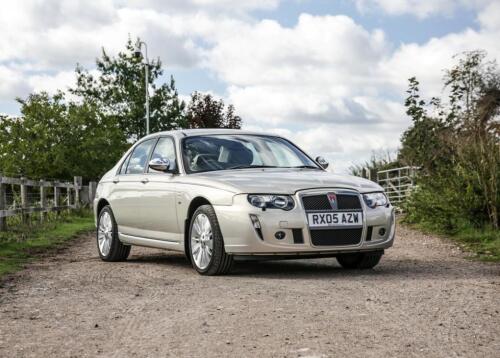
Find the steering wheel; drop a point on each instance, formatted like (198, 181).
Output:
(205, 161)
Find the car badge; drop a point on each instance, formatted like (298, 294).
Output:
(332, 198)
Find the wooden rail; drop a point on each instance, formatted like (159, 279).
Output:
(73, 199)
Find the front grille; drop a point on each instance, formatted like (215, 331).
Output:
(316, 202)
(346, 202)
(321, 202)
(336, 237)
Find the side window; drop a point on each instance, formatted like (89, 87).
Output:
(139, 157)
(165, 148)
(123, 168)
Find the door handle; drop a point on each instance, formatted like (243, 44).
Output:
(116, 180)
(144, 180)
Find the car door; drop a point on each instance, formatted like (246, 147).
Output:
(125, 197)
(158, 198)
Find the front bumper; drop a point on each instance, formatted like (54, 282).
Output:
(241, 238)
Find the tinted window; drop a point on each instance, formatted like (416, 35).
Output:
(165, 149)
(222, 152)
(139, 157)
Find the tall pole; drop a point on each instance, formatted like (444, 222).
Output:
(138, 47)
(146, 66)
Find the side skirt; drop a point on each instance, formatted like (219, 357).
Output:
(158, 244)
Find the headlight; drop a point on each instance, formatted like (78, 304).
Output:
(284, 202)
(373, 200)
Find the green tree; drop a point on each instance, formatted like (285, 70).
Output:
(58, 139)
(458, 146)
(424, 144)
(378, 161)
(204, 111)
(118, 90)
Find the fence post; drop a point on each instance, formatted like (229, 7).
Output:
(56, 196)
(68, 198)
(92, 191)
(78, 186)
(43, 201)
(3, 205)
(24, 200)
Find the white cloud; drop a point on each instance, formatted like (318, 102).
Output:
(11, 81)
(316, 71)
(51, 84)
(420, 8)
(327, 82)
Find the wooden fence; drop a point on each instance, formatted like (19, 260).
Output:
(25, 197)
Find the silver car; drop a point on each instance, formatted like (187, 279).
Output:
(222, 195)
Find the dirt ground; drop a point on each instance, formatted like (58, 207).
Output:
(424, 299)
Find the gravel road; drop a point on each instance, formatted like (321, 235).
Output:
(424, 299)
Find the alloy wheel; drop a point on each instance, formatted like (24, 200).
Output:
(202, 243)
(105, 233)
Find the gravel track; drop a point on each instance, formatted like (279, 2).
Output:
(424, 299)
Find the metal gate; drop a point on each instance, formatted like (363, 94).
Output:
(397, 182)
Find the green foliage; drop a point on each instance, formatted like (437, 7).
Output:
(59, 139)
(422, 144)
(378, 161)
(483, 242)
(15, 252)
(60, 136)
(204, 111)
(118, 89)
(458, 148)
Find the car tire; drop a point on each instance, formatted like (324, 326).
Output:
(364, 260)
(206, 245)
(109, 246)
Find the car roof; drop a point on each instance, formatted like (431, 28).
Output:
(204, 131)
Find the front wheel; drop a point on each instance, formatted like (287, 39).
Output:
(108, 244)
(206, 245)
(362, 260)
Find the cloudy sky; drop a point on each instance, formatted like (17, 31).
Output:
(329, 74)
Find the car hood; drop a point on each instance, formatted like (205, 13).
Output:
(280, 181)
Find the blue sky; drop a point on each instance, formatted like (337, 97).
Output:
(329, 75)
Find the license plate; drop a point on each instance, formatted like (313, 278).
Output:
(335, 219)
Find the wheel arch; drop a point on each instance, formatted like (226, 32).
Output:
(101, 204)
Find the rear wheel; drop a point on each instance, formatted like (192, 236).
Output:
(362, 260)
(109, 245)
(206, 245)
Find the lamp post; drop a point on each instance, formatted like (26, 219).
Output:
(138, 53)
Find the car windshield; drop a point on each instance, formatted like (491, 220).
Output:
(224, 152)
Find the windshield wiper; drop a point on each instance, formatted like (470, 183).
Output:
(305, 167)
(251, 166)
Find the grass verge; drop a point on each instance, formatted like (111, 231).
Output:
(22, 244)
(483, 243)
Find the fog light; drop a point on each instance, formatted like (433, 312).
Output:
(256, 225)
(280, 235)
(381, 232)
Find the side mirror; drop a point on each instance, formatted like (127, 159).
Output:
(160, 164)
(322, 162)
